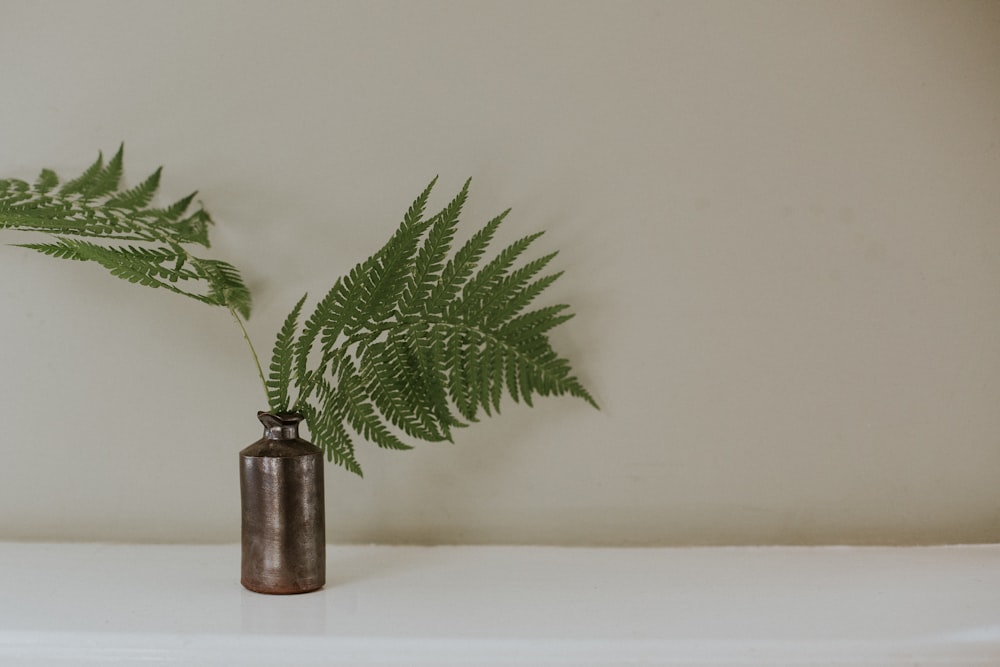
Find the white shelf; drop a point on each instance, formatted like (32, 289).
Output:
(96, 604)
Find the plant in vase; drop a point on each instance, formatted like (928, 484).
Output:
(414, 342)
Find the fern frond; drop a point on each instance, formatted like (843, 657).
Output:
(60, 249)
(518, 299)
(415, 213)
(139, 196)
(128, 237)
(386, 376)
(390, 272)
(225, 286)
(429, 352)
(359, 411)
(409, 337)
(85, 181)
(328, 433)
(174, 211)
(46, 181)
(153, 267)
(485, 282)
(280, 377)
(461, 373)
(324, 311)
(430, 259)
(533, 323)
(458, 270)
(416, 388)
(193, 228)
(105, 181)
(508, 293)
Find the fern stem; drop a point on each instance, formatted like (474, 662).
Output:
(253, 350)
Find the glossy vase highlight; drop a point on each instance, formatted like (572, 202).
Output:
(284, 523)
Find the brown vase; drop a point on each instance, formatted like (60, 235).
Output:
(284, 524)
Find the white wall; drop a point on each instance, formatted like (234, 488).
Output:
(779, 222)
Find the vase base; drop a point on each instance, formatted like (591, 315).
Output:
(279, 590)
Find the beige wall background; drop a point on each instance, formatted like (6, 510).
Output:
(779, 222)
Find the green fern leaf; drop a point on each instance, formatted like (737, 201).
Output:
(326, 432)
(429, 352)
(324, 311)
(391, 272)
(107, 179)
(47, 180)
(360, 412)
(93, 206)
(280, 377)
(85, 181)
(173, 212)
(385, 375)
(363, 299)
(139, 196)
(460, 389)
(194, 228)
(430, 259)
(416, 387)
(415, 213)
(531, 324)
(147, 266)
(505, 299)
(486, 357)
(484, 283)
(225, 286)
(410, 337)
(60, 249)
(458, 270)
(517, 300)
(512, 378)
(349, 303)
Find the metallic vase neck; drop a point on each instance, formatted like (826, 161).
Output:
(280, 426)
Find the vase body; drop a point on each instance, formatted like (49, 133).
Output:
(284, 523)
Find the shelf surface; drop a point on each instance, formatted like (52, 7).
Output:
(100, 604)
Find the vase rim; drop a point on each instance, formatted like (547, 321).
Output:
(281, 425)
(272, 419)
